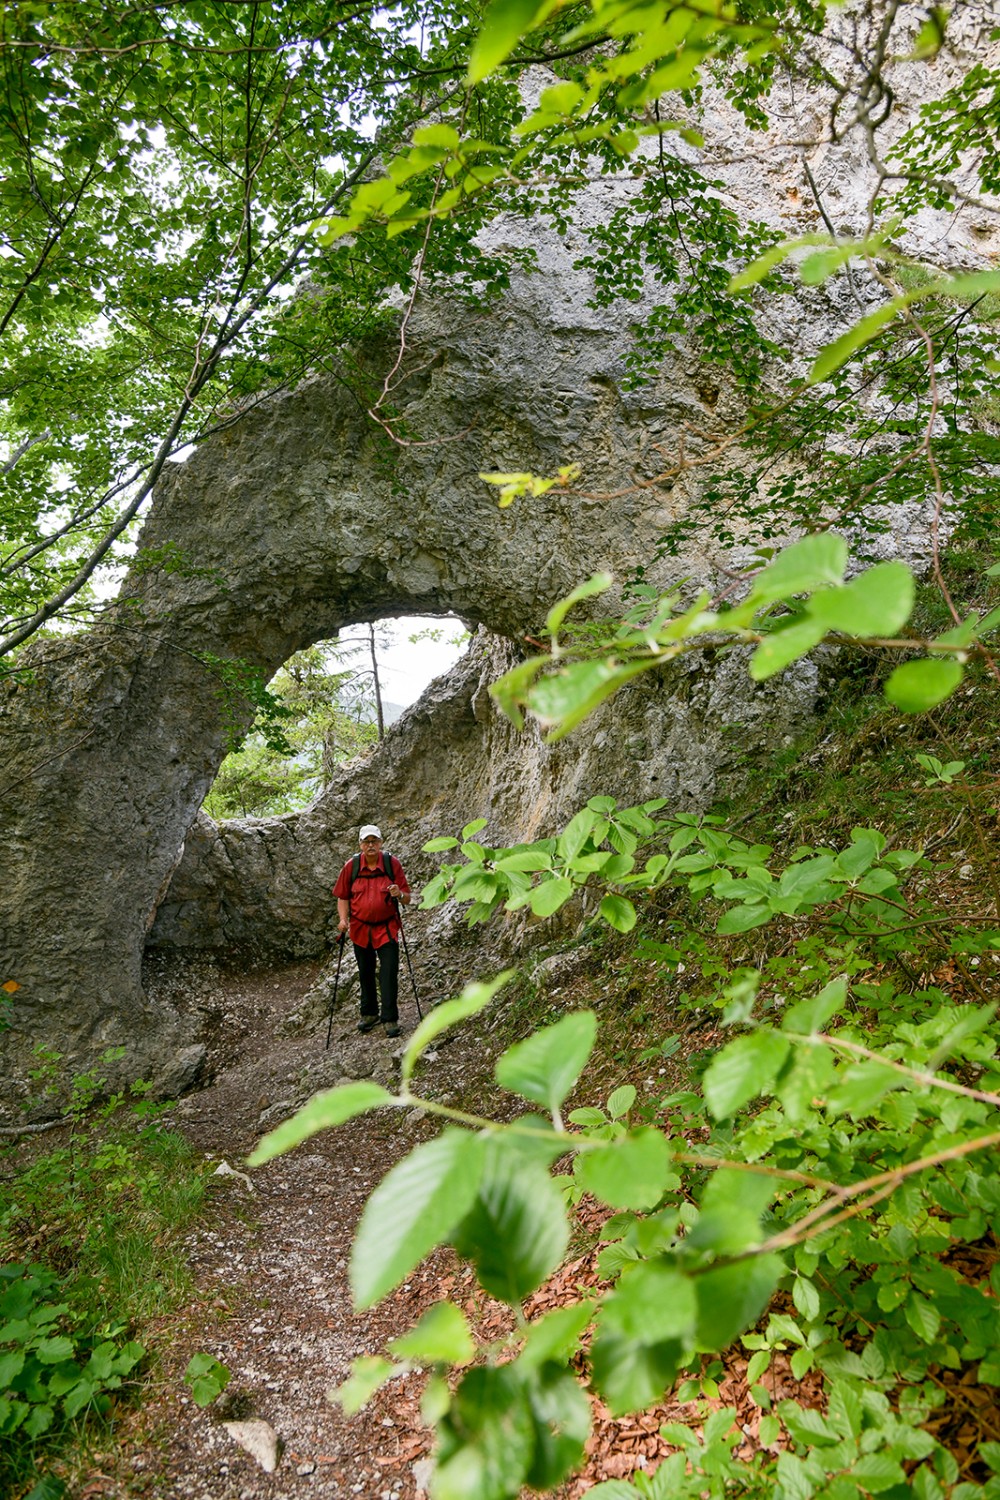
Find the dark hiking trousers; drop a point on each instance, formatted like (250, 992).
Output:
(388, 980)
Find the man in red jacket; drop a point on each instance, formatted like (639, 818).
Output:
(367, 889)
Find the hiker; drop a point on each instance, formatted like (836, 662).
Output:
(367, 888)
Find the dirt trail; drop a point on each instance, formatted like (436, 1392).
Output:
(270, 1261)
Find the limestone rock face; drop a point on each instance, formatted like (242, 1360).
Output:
(299, 519)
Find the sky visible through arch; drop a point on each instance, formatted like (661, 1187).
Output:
(406, 667)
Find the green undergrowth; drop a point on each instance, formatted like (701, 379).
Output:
(90, 1258)
(774, 1063)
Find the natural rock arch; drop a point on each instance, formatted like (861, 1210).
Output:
(300, 518)
(304, 516)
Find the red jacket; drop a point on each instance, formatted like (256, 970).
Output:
(373, 916)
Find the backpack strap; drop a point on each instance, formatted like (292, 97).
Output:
(387, 861)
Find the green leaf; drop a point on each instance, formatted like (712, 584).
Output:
(802, 567)
(561, 1415)
(621, 1100)
(627, 1173)
(781, 647)
(515, 1232)
(796, 1480)
(474, 827)
(861, 1086)
(806, 1426)
(651, 1303)
(917, 686)
(845, 1410)
(438, 846)
(923, 1317)
(368, 1374)
(742, 918)
(550, 895)
(876, 1472)
(970, 284)
(576, 833)
(631, 1374)
(733, 1297)
(487, 1438)
(865, 847)
(473, 999)
(567, 697)
(742, 1070)
(53, 1351)
(437, 135)
(504, 24)
(598, 584)
(322, 1112)
(545, 1066)
(812, 1068)
(810, 1016)
(618, 912)
(556, 1336)
(509, 689)
(731, 1207)
(413, 1209)
(206, 1377)
(587, 1116)
(990, 1454)
(878, 602)
(441, 1337)
(525, 859)
(765, 264)
(839, 352)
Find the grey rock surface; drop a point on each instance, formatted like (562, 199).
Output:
(259, 1439)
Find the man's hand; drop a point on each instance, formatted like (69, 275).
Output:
(342, 926)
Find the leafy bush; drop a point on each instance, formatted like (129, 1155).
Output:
(50, 1370)
(805, 1198)
(103, 1214)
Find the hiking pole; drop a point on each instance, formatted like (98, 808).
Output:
(402, 933)
(336, 981)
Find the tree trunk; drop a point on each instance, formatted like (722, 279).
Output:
(379, 716)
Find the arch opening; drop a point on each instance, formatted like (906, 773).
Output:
(327, 704)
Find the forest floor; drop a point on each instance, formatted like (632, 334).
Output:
(270, 1266)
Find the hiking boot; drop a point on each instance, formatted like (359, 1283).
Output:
(367, 1023)
(391, 1029)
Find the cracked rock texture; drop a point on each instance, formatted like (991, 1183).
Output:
(301, 518)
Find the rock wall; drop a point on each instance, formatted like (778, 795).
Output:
(298, 520)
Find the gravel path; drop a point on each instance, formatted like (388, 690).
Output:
(270, 1261)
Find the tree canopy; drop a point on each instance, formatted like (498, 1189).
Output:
(204, 202)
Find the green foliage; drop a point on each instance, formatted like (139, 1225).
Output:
(205, 1378)
(50, 1370)
(799, 600)
(106, 1213)
(158, 167)
(316, 712)
(840, 1154)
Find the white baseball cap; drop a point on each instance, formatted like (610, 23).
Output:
(369, 831)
